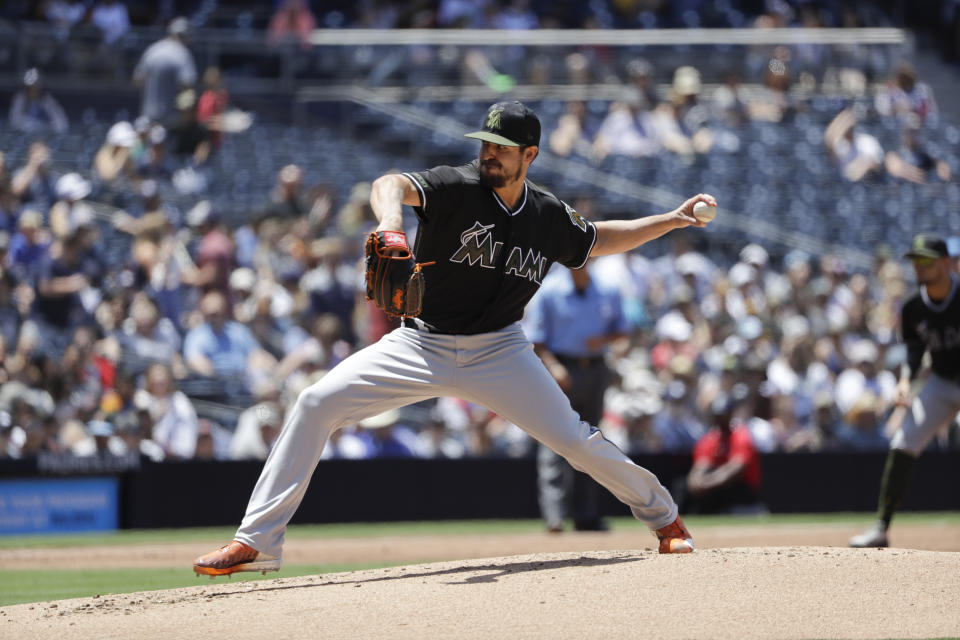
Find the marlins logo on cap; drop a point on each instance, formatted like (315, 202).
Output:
(927, 246)
(511, 124)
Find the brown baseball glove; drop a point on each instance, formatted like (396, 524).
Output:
(394, 279)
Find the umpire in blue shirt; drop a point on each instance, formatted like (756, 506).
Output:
(570, 321)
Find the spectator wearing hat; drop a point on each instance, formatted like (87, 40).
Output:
(673, 332)
(388, 436)
(820, 433)
(113, 161)
(164, 70)
(244, 294)
(745, 297)
(696, 271)
(862, 427)
(682, 122)
(288, 199)
(379, 436)
(71, 216)
(726, 475)
(864, 374)
(757, 257)
(69, 213)
(773, 102)
(35, 110)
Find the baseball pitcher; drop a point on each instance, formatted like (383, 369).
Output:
(489, 236)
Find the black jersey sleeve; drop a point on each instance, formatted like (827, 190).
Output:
(574, 237)
(439, 191)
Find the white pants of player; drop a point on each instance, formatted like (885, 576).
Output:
(933, 408)
(498, 370)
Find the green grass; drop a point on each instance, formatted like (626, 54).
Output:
(43, 585)
(216, 535)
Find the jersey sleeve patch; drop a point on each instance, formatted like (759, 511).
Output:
(575, 218)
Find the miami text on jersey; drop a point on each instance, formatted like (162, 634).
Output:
(477, 247)
(937, 340)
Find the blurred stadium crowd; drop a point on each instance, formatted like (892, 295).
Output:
(167, 290)
(303, 15)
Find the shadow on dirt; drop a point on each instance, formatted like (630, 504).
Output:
(488, 573)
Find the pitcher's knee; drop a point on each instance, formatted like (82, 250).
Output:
(577, 443)
(319, 399)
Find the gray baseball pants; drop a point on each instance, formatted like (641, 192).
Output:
(933, 408)
(498, 370)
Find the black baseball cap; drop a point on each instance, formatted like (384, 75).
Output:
(926, 245)
(511, 124)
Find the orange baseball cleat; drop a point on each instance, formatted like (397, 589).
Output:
(674, 538)
(233, 558)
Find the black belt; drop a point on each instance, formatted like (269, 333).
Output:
(420, 325)
(580, 362)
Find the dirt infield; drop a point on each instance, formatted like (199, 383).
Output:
(773, 581)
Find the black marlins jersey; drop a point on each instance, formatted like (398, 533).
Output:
(934, 326)
(489, 260)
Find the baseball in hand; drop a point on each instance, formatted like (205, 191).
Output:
(704, 212)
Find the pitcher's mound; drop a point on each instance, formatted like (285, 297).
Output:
(777, 592)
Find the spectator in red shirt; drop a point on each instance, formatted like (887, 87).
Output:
(212, 104)
(214, 253)
(726, 475)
